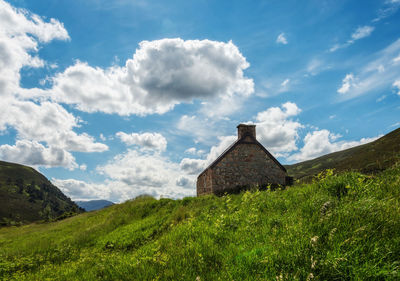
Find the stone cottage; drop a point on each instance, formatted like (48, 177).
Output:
(246, 163)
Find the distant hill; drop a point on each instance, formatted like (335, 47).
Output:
(27, 196)
(94, 204)
(368, 158)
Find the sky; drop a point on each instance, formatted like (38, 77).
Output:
(113, 99)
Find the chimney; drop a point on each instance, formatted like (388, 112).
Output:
(244, 129)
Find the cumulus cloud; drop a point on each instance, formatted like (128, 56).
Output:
(321, 142)
(138, 173)
(139, 169)
(21, 22)
(21, 35)
(35, 154)
(78, 190)
(150, 141)
(185, 182)
(161, 74)
(281, 39)
(277, 130)
(133, 173)
(47, 122)
(192, 166)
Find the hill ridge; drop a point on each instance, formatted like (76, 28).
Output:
(366, 158)
(27, 196)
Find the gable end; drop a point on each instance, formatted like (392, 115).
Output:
(242, 141)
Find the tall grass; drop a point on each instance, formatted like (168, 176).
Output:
(340, 227)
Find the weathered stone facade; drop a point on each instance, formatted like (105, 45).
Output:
(246, 163)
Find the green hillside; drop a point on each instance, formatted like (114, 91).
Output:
(368, 158)
(27, 196)
(341, 227)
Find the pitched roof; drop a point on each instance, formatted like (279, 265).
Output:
(237, 142)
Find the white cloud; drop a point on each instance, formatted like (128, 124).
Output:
(194, 151)
(47, 122)
(381, 68)
(321, 142)
(138, 173)
(150, 141)
(281, 39)
(362, 32)
(139, 169)
(285, 83)
(381, 98)
(390, 8)
(185, 182)
(20, 22)
(316, 66)
(223, 144)
(370, 78)
(395, 125)
(35, 154)
(359, 33)
(336, 47)
(347, 83)
(198, 126)
(133, 173)
(83, 167)
(78, 190)
(193, 166)
(273, 86)
(276, 129)
(161, 74)
(21, 35)
(396, 84)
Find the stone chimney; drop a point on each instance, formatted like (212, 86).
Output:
(244, 129)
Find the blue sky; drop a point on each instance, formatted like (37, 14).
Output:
(112, 99)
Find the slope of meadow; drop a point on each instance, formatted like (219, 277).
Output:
(340, 227)
(368, 158)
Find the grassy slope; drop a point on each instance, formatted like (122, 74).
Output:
(21, 201)
(368, 158)
(343, 227)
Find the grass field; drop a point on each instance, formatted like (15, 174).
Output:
(340, 227)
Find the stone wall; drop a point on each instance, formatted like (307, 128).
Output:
(204, 183)
(246, 165)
